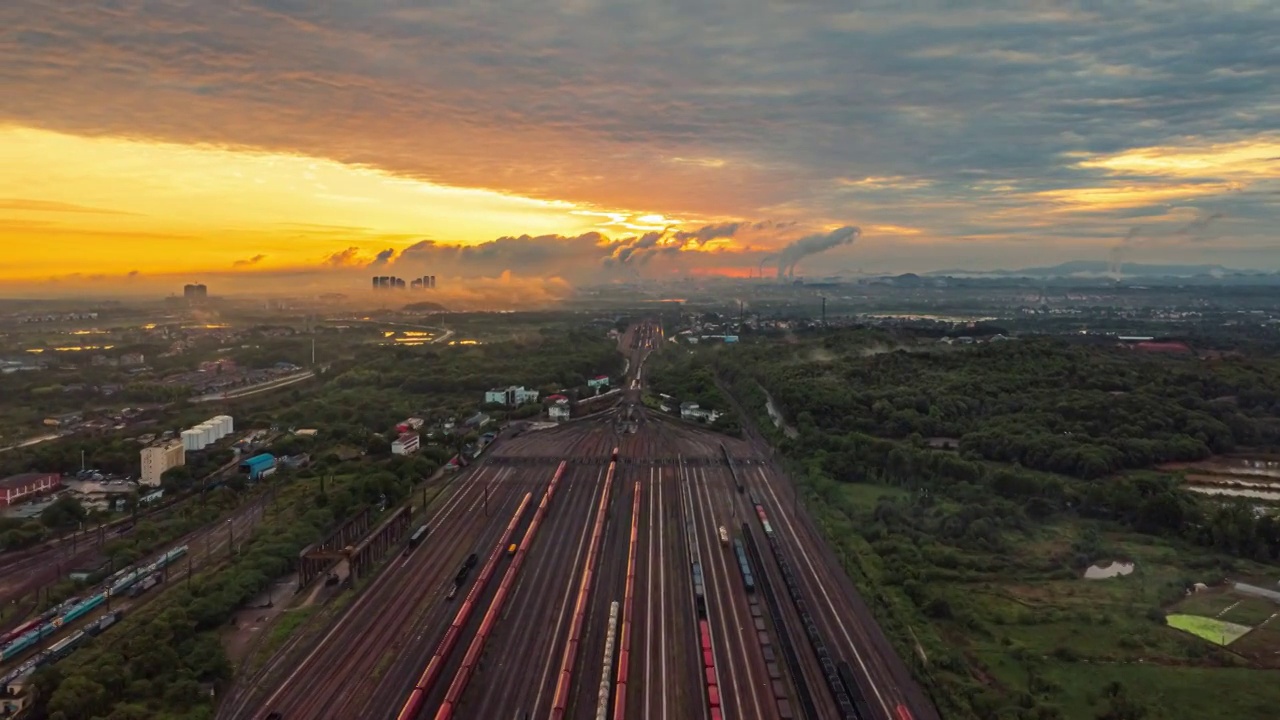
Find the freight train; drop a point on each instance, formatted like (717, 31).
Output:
(744, 566)
(74, 609)
(843, 696)
(59, 650)
(416, 538)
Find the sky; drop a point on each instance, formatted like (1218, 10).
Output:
(153, 142)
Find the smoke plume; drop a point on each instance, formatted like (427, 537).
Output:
(1115, 259)
(812, 245)
(1197, 227)
(766, 259)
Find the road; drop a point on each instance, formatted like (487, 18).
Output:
(255, 389)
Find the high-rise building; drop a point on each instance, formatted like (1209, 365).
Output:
(195, 292)
(159, 458)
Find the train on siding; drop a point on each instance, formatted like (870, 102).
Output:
(59, 650)
(72, 610)
(416, 538)
(744, 566)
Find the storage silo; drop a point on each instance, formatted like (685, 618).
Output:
(190, 440)
(231, 424)
(206, 434)
(220, 426)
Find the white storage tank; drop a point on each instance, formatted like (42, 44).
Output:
(224, 425)
(206, 435)
(231, 424)
(191, 440)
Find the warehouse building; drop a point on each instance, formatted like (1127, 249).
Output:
(259, 466)
(511, 396)
(559, 409)
(27, 485)
(159, 458)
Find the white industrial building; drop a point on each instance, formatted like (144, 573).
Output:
(512, 396)
(559, 410)
(691, 412)
(207, 433)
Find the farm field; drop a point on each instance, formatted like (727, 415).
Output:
(1211, 629)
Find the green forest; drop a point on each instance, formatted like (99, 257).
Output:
(966, 489)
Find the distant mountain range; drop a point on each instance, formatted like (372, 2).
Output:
(1093, 268)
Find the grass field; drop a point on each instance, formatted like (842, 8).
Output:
(1215, 631)
(1250, 611)
(1024, 622)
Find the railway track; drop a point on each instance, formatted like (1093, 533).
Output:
(695, 645)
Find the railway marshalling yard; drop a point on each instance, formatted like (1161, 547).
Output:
(624, 598)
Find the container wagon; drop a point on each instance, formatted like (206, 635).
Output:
(416, 538)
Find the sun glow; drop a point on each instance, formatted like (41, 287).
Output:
(111, 206)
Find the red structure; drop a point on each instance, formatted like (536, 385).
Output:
(1176, 348)
(13, 489)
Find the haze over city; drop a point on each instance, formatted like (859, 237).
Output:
(545, 145)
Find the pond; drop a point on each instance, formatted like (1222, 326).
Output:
(1115, 569)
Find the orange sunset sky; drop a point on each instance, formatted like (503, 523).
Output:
(590, 141)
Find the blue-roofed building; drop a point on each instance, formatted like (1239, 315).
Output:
(259, 466)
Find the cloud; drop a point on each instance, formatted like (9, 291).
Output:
(50, 206)
(250, 262)
(1039, 123)
(344, 258)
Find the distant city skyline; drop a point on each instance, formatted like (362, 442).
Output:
(582, 143)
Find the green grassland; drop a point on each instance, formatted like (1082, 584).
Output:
(1026, 630)
(1211, 629)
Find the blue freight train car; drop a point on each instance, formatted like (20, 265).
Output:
(74, 609)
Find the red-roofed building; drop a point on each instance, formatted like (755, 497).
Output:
(1176, 348)
(14, 489)
(406, 444)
